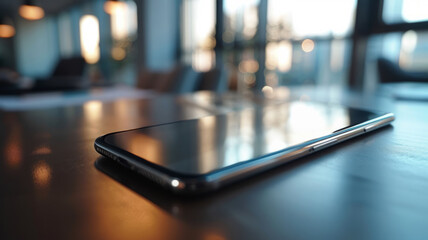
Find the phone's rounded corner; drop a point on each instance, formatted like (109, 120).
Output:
(99, 141)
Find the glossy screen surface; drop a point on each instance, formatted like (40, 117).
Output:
(210, 143)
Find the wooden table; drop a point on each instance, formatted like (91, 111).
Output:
(53, 185)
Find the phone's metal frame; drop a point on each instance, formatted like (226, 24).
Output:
(181, 183)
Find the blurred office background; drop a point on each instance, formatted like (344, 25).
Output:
(181, 46)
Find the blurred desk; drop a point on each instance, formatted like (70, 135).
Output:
(55, 186)
(43, 100)
(410, 91)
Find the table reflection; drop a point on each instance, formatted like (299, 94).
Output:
(41, 174)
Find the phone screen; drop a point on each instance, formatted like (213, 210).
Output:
(210, 143)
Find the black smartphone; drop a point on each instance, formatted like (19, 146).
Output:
(205, 154)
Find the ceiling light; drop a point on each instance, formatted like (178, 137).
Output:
(110, 6)
(30, 11)
(6, 28)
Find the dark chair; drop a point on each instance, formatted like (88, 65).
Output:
(183, 79)
(390, 72)
(68, 74)
(213, 80)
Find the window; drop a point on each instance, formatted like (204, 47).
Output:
(307, 18)
(308, 41)
(270, 43)
(240, 20)
(409, 11)
(198, 30)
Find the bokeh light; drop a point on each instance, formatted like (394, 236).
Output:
(90, 38)
(6, 31)
(308, 45)
(31, 12)
(42, 174)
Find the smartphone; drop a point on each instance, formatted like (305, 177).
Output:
(205, 154)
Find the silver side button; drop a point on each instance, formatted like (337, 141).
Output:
(369, 128)
(324, 144)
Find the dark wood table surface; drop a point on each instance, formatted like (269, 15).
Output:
(53, 185)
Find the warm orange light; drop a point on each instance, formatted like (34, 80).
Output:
(203, 60)
(31, 12)
(93, 111)
(268, 91)
(308, 45)
(123, 19)
(118, 53)
(119, 20)
(6, 31)
(285, 56)
(14, 153)
(42, 151)
(248, 66)
(41, 174)
(213, 236)
(111, 6)
(90, 38)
